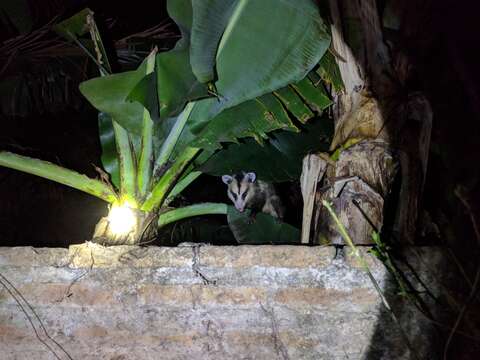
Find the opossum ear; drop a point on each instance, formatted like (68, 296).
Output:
(250, 176)
(227, 179)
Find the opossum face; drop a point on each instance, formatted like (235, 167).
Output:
(240, 189)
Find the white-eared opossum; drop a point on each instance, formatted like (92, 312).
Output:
(246, 192)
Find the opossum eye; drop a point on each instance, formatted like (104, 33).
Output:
(234, 195)
(244, 194)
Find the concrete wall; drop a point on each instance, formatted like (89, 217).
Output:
(202, 302)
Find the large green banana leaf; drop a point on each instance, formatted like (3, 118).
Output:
(283, 152)
(255, 56)
(123, 98)
(280, 51)
(110, 94)
(329, 71)
(210, 17)
(176, 82)
(264, 229)
(109, 149)
(258, 117)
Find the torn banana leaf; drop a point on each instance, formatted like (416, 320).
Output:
(263, 229)
(278, 159)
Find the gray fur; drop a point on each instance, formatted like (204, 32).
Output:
(246, 192)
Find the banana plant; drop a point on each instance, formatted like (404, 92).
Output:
(232, 75)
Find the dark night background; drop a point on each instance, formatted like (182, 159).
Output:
(62, 127)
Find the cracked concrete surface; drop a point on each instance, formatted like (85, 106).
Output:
(206, 302)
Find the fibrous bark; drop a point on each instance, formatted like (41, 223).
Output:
(378, 126)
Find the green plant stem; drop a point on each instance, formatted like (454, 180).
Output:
(126, 162)
(160, 190)
(384, 256)
(365, 266)
(99, 48)
(122, 139)
(146, 155)
(144, 172)
(59, 174)
(192, 210)
(101, 68)
(172, 138)
(181, 185)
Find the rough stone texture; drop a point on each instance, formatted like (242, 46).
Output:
(204, 302)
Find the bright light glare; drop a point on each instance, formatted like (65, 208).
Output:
(122, 220)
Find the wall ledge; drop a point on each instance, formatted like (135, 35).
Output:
(208, 302)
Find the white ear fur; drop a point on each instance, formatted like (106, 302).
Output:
(227, 179)
(251, 176)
